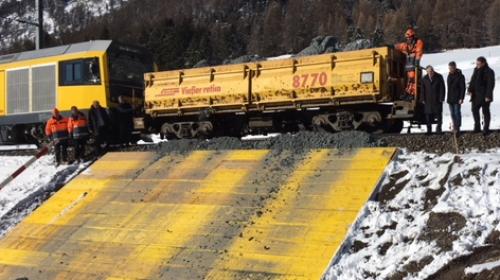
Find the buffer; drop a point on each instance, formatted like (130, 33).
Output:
(240, 214)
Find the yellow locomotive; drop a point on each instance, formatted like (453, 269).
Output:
(33, 83)
(338, 91)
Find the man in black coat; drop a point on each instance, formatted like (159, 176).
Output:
(456, 95)
(432, 96)
(481, 88)
(125, 120)
(99, 123)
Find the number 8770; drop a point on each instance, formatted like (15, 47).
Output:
(310, 80)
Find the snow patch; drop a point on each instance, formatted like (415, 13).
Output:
(394, 232)
(478, 268)
(39, 179)
(466, 61)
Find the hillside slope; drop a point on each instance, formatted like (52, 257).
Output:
(431, 210)
(181, 33)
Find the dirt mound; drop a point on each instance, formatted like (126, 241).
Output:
(442, 228)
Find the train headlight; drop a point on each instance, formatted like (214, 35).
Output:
(367, 77)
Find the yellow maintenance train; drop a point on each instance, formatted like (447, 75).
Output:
(338, 91)
(332, 92)
(33, 83)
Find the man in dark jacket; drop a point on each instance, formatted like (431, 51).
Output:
(98, 125)
(456, 95)
(125, 120)
(432, 96)
(481, 88)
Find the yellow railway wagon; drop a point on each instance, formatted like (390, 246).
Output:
(321, 79)
(32, 83)
(337, 91)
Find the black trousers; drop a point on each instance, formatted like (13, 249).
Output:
(79, 146)
(101, 137)
(485, 106)
(125, 134)
(430, 119)
(61, 150)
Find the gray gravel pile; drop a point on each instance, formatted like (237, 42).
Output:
(436, 143)
(442, 143)
(295, 142)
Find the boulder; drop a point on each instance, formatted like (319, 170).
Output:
(358, 44)
(320, 45)
(243, 59)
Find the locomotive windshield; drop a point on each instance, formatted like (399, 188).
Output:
(128, 64)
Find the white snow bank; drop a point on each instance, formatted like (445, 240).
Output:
(16, 147)
(41, 176)
(478, 268)
(466, 61)
(471, 185)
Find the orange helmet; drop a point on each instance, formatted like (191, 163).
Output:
(410, 33)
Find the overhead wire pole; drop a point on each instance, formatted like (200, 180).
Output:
(39, 32)
(38, 24)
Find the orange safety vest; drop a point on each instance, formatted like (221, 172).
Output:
(57, 128)
(415, 50)
(78, 127)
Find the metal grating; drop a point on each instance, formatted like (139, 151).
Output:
(43, 88)
(18, 91)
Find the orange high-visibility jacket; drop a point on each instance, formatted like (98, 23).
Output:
(415, 50)
(78, 127)
(57, 128)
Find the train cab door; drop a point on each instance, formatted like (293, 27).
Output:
(3, 93)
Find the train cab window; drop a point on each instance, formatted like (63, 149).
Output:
(80, 72)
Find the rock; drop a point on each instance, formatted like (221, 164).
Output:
(243, 59)
(359, 44)
(320, 45)
(201, 63)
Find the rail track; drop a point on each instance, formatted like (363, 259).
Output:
(438, 143)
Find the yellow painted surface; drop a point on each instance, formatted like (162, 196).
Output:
(2, 93)
(318, 80)
(204, 215)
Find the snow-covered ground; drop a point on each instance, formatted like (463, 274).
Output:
(447, 206)
(17, 147)
(466, 61)
(42, 176)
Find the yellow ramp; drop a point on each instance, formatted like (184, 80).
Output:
(244, 214)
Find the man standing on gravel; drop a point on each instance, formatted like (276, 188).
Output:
(456, 95)
(432, 96)
(99, 123)
(481, 88)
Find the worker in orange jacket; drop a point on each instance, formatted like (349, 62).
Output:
(413, 48)
(56, 130)
(78, 130)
